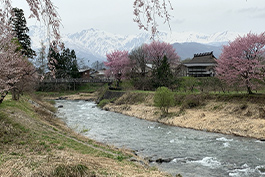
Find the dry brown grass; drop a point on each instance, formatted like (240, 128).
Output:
(45, 165)
(243, 118)
(33, 142)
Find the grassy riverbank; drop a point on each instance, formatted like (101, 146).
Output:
(237, 114)
(33, 142)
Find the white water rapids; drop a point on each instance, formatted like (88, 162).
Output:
(188, 152)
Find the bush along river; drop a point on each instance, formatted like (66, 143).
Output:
(172, 149)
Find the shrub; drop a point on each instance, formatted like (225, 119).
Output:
(191, 101)
(103, 102)
(164, 98)
(131, 98)
(70, 171)
(189, 83)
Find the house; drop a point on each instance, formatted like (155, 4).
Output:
(84, 73)
(201, 65)
(180, 70)
(99, 74)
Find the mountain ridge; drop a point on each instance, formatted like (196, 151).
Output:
(93, 44)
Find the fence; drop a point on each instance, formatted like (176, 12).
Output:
(77, 80)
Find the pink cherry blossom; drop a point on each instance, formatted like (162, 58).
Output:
(242, 61)
(13, 66)
(118, 64)
(149, 10)
(156, 50)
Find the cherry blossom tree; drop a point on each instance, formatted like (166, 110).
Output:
(12, 64)
(138, 59)
(118, 64)
(14, 67)
(242, 61)
(163, 58)
(28, 79)
(150, 10)
(40, 9)
(45, 10)
(156, 51)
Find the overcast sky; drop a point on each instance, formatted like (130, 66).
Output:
(116, 16)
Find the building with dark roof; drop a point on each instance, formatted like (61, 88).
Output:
(201, 65)
(84, 73)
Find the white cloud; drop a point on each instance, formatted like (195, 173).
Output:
(206, 16)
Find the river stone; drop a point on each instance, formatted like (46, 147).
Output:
(106, 109)
(261, 169)
(133, 159)
(62, 98)
(60, 106)
(160, 160)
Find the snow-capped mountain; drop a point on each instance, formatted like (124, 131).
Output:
(93, 44)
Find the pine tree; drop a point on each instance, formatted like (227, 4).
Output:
(162, 75)
(20, 32)
(66, 63)
(74, 73)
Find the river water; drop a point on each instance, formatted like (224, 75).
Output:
(189, 152)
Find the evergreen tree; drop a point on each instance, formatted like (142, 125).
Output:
(162, 75)
(68, 58)
(66, 64)
(20, 32)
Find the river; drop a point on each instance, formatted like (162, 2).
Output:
(188, 152)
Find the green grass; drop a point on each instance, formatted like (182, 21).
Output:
(41, 140)
(22, 104)
(126, 85)
(103, 102)
(89, 87)
(191, 99)
(143, 91)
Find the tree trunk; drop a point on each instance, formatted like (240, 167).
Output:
(249, 90)
(248, 87)
(15, 94)
(3, 95)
